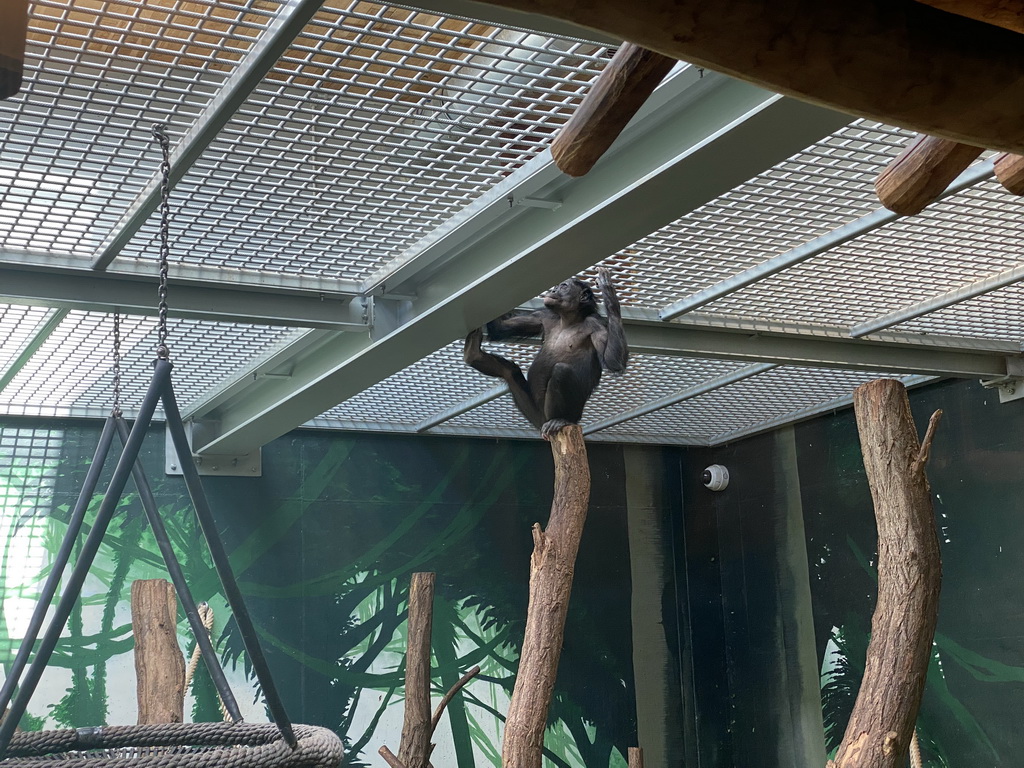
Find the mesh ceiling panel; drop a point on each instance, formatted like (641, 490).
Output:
(72, 373)
(954, 242)
(747, 403)
(817, 190)
(98, 74)
(376, 125)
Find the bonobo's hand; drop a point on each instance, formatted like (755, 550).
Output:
(611, 301)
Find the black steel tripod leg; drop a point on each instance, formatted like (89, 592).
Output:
(73, 586)
(223, 566)
(60, 562)
(180, 584)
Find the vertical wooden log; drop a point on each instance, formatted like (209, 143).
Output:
(159, 665)
(635, 757)
(414, 750)
(1010, 172)
(621, 89)
(909, 575)
(922, 172)
(551, 572)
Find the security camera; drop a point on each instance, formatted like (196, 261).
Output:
(715, 477)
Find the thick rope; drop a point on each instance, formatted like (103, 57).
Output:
(915, 751)
(205, 616)
(176, 745)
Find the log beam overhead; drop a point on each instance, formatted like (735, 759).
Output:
(901, 63)
(922, 172)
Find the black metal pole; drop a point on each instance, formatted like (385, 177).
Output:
(73, 587)
(223, 565)
(180, 584)
(60, 562)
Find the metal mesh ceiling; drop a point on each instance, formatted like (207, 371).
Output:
(331, 149)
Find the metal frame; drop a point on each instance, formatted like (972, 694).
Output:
(698, 140)
(160, 389)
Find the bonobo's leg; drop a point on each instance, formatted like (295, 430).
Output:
(502, 368)
(566, 395)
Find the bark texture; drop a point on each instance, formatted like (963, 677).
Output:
(1010, 172)
(623, 87)
(1008, 14)
(414, 750)
(909, 575)
(898, 62)
(551, 572)
(922, 171)
(159, 664)
(635, 757)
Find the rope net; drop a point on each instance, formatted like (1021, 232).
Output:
(176, 745)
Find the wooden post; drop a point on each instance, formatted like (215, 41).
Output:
(922, 171)
(622, 88)
(551, 572)
(635, 757)
(909, 575)
(414, 749)
(1010, 172)
(159, 665)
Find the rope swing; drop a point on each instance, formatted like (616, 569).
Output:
(232, 744)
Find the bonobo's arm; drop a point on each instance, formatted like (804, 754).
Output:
(515, 326)
(610, 341)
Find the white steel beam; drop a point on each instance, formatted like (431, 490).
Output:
(84, 289)
(679, 154)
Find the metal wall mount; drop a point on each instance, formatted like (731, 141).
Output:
(213, 465)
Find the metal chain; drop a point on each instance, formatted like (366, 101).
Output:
(162, 351)
(117, 364)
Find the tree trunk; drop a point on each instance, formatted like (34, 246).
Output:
(551, 572)
(414, 749)
(159, 665)
(909, 575)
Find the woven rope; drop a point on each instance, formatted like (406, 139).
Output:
(176, 745)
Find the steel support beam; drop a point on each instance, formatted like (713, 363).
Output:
(824, 347)
(868, 223)
(677, 156)
(83, 289)
(292, 17)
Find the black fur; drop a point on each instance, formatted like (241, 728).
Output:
(576, 344)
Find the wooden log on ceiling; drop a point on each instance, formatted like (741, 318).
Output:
(1010, 172)
(921, 172)
(13, 29)
(1008, 14)
(623, 87)
(901, 63)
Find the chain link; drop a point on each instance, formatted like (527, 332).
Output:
(117, 364)
(162, 351)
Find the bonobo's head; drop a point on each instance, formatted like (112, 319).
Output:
(571, 296)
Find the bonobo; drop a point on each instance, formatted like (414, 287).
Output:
(575, 345)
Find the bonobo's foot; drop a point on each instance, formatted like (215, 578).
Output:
(471, 349)
(551, 426)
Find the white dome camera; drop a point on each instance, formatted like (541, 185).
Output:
(715, 477)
